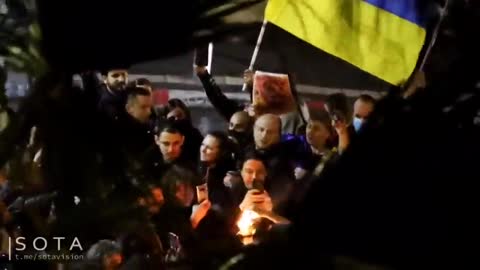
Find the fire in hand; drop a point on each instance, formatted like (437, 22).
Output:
(246, 225)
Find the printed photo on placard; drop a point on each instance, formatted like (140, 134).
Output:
(272, 93)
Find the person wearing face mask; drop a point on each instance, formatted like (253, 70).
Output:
(240, 134)
(178, 114)
(240, 122)
(362, 108)
(240, 128)
(225, 106)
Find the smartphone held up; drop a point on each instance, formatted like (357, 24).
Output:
(202, 193)
(258, 185)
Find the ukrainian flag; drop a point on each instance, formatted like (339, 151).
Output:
(382, 37)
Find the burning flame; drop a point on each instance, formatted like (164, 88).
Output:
(246, 223)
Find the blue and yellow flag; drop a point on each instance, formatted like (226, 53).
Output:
(382, 37)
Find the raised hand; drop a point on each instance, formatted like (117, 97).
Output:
(199, 211)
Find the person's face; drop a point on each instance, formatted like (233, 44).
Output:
(140, 108)
(177, 114)
(362, 109)
(317, 134)
(209, 150)
(170, 145)
(184, 194)
(266, 132)
(117, 79)
(251, 170)
(239, 122)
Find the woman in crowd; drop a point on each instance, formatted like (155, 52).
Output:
(178, 113)
(215, 161)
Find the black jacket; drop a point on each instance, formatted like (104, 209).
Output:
(112, 103)
(191, 146)
(155, 167)
(225, 106)
(109, 103)
(135, 137)
(280, 170)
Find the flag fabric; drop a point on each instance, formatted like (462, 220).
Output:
(381, 37)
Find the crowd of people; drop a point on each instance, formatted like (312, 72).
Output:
(198, 185)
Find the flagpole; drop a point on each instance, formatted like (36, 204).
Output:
(418, 79)
(257, 49)
(443, 13)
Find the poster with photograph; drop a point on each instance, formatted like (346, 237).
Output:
(272, 93)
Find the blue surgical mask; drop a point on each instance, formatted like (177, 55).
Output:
(357, 123)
